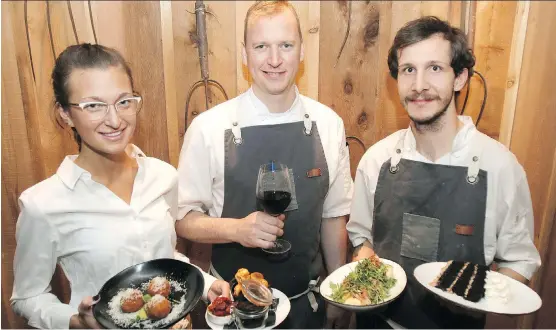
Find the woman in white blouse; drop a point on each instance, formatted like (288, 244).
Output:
(106, 209)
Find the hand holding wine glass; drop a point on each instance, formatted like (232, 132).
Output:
(274, 192)
(259, 229)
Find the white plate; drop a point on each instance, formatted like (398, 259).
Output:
(523, 300)
(340, 274)
(282, 310)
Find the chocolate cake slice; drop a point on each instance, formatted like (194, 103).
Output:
(465, 279)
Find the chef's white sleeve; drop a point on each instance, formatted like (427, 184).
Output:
(338, 200)
(194, 176)
(515, 248)
(360, 222)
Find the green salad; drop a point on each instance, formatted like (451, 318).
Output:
(368, 284)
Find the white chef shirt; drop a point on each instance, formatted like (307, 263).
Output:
(93, 234)
(201, 165)
(508, 234)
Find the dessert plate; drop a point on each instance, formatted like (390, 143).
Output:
(523, 300)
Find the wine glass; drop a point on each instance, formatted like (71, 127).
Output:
(274, 194)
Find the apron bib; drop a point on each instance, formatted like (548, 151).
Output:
(424, 213)
(298, 146)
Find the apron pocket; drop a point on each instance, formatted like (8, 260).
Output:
(420, 237)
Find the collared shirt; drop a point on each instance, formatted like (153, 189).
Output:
(74, 221)
(508, 235)
(201, 166)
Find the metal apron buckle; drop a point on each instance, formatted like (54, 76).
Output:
(310, 295)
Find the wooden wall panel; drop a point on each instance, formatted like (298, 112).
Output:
(514, 72)
(223, 50)
(18, 172)
(349, 84)
(172, 125)
(82, 21)
(143, 38)
(495, 20)
(51, 136)
(534, 134)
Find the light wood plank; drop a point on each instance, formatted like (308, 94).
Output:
(82, 20)
(514, 72)
(242, 73)
(533, 137)
(492, 49)
(311, 36)
(169, 81)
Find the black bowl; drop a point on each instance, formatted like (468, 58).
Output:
(187, 275)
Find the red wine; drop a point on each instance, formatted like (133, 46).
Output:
(275, 202)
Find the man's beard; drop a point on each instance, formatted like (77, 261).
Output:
(432, 123)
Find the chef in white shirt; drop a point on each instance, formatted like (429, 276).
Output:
(220, 159)
(440, 189)
(106, 209)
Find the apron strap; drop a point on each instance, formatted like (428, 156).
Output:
(474, 157)
(310, 295)
(395, 160)
(475, 153)
(312, 287)
(236, 130)
(307, 123)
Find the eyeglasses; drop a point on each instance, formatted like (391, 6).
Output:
(97, 110)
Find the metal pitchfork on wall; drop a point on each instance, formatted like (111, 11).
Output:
(202, 45)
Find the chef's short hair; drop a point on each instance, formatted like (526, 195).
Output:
(425, 27)
(266, 9)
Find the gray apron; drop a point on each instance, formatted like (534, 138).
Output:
(424, 213)
(298, 146)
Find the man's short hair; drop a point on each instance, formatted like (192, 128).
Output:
(269, 8)
(425, 27)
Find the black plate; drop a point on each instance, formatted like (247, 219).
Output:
(186, 274)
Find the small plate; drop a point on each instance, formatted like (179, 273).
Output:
(282, 311)
(341, 273)
(523, 300)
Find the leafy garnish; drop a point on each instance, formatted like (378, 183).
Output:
(369, 283)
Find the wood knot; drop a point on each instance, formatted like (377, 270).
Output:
(370, 33)
(362, 120)
(510, 83)
(348, 86)
(314, 30)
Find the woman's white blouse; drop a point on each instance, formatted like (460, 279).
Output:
(93, 234)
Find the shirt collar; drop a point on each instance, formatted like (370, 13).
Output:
(262, 109)
(70, 173)
(461, 140)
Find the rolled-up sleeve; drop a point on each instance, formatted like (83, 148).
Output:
(34, 264)
(515, 248)
(194, 176)
(360, 222)
(338, 199)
